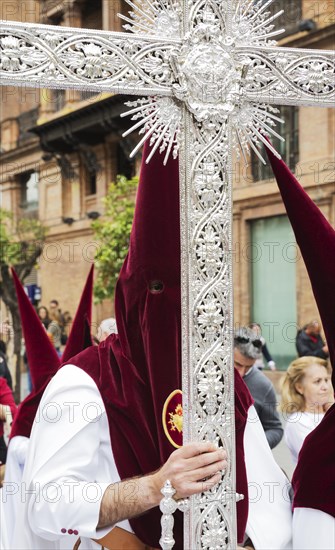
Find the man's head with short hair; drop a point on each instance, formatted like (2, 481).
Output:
(54, 304)
(247, 348)
(107, 327)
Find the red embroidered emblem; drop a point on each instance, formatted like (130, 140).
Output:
(173, 418)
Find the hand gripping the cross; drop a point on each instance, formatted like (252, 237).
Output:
(192, 469)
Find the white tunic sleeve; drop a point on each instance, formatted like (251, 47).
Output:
(269, 524)
(4, 535)
(10, 495)
(68, 467)
(295, 433)
(297, 428)
(17, 452)
(313, 530)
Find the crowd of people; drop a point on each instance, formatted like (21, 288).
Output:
(306, 394)
(301, 407)
(56, 323)
(82, 469)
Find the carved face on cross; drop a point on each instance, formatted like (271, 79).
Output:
(208, 81)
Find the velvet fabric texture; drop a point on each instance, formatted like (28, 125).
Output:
(137, 369)
(42, 357)
(80, 334)
(243, 401)
(314, 477)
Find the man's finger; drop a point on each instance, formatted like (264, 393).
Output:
(208, 471)
(204, 459)
(199, 447)
(200, 486)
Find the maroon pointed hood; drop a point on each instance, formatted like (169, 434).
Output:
(314, 477)
(80, 335)
(137, 369)
(42, 357)
(316, 239)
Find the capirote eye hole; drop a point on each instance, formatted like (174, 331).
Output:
(156, 287)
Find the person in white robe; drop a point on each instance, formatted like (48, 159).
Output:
(43, 364)
(66, 476)
(71, 466)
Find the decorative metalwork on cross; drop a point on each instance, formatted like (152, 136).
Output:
(209, 74)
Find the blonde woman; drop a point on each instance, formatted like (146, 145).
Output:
(307, 393)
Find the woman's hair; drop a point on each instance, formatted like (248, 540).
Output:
(291, 399)
(55, 316)
(67, 317)
(45, 309)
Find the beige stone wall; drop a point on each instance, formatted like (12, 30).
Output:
(322, 12)
(66, 260)
(315, 172)
(20, 10)
(110, 10)
(14, 101)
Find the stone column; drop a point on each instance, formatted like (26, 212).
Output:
(72, 18)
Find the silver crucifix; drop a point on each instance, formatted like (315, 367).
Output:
(209, 73)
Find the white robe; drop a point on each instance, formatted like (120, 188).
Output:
(68, 467)
(11, 491)
(313, 530)
(269, 524)
(70, 464)
(298, 426)
(4, 539)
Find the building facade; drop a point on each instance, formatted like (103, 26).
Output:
(271, 283)
(61, 149)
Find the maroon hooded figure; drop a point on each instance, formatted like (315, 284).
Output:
(314, 477)
(137, 369)
(42, 357)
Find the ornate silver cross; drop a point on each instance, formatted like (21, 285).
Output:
(209, 72)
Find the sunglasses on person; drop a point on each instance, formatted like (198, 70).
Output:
(257, 343)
